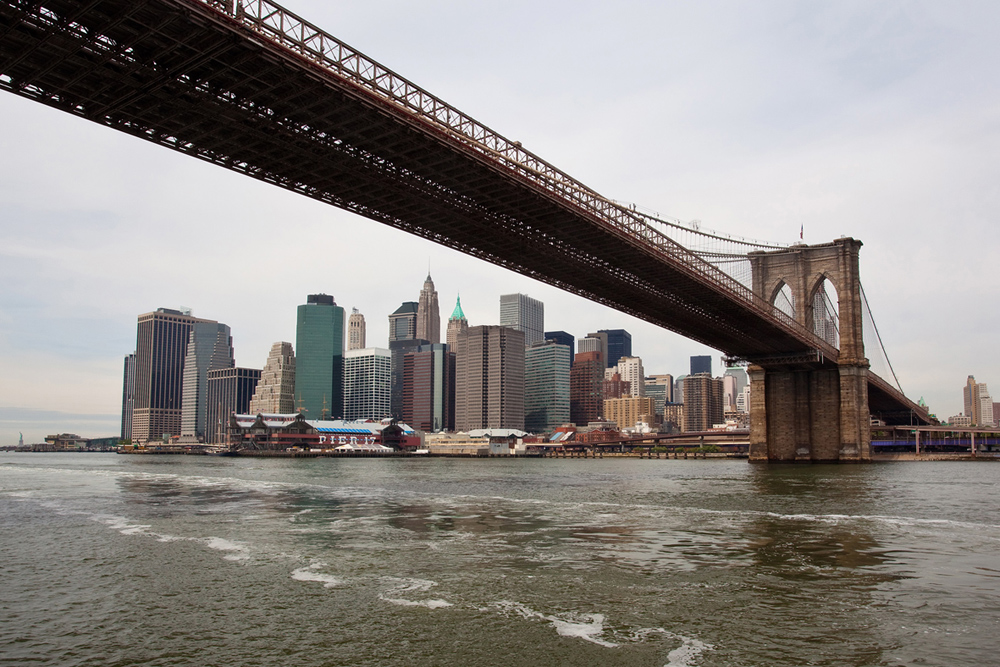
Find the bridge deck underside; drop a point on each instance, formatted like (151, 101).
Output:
(176, 73)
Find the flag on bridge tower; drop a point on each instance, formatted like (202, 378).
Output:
(802, 229)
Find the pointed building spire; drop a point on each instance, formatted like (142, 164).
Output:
(456, 324)
(458, 314)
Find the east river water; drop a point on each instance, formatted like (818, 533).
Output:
(182, 560)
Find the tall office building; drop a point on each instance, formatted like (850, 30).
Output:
(743, 400)
(367, 383)
(403, 322)
(969, 395)
(128, 396)
(456, 324)
(702, 402)
(586, 400)
(428, 314)
(733, 382)
(679, 389)
(619, 345)
(161, 347)
(210, 347)
(521, 312)
(275, 392)
(356, 330)
(398, 349)
(661, 389)
(429, 388)
(229, 392)
(701, 364)
(489, 378)
(664, 380)
(563, 338)
(631, 370)
(546, 386)
(319, 363)
(596, 341)
(978, 403)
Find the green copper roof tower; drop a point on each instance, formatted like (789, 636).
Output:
(319, 352)
(457, 314)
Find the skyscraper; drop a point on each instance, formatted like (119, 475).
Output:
(429, 388)
(678, 389)
(229, 392)
(661, 389)
(403, 322)
(733, 381)
(275, 392)
(702, 402)
(456, 323)
(619, 345)
(701, 364)
(128, 396)
(367, 383)
(563, 338)
(969, 394)
(319, 364)
(596, 341)
(978, 403)
(402, 340)
(521, 312)
(586, 400)
(489, 378)
(546, 386)
(356, 330)
(161, 347)
(631, 370)
(210, 347)
(398, 349)
(428, 314)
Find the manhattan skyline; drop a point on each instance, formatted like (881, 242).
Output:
(870, 122)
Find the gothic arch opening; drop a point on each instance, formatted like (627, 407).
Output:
(783, 299)
(826, 312)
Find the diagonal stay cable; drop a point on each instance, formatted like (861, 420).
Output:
(868, 310)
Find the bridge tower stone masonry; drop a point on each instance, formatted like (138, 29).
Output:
(802, 413)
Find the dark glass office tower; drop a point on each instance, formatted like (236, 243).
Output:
(319, 348)
(619, 345)
(701, 364)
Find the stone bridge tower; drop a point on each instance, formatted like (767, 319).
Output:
(817, 411)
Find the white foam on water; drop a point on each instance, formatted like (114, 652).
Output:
(404, 586)
(310, 574)
(122, 525)
(683, 655)
(589, 627)
(689, 650)
(236, 551)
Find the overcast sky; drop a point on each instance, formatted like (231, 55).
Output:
(877, 120)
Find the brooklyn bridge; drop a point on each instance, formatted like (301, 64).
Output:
(252, 87)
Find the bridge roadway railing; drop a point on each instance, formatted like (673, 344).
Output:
(308, 41)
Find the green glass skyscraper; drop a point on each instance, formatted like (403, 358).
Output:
(319, 349)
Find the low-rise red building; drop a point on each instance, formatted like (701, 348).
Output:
(286, 431)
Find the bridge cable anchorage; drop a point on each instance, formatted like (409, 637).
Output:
(871, 319)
